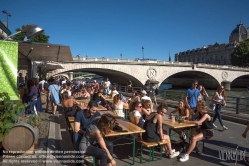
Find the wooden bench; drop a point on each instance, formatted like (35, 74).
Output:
(151, 146)
(71, 119)
(161, 143)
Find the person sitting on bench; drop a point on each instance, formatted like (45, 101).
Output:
(154, 132)
(205, 131)
(93, 143)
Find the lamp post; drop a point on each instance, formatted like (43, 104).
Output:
(30, 31)
(7, 15)
(121, 55)
(143, 51)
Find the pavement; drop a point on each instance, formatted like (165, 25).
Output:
(223, 142)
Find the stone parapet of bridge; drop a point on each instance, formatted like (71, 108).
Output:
(141, 70)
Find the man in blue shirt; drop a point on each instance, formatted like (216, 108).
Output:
(191, 98)
(82, 120)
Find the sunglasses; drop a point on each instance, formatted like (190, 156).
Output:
(163, 112)
(139, 106)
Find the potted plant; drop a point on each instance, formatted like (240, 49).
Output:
(9, 112)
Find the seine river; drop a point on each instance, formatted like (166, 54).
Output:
(233, 96)
(176, 93)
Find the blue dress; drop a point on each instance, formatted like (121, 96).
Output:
(54, 96)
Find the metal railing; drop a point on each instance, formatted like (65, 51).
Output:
(237, 104)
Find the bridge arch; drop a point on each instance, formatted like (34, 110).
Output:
(138, 71)
(117, 74)
(185, 79)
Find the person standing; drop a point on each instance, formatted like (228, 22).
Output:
(32, 95)
(147, 88)
(107, 85)
(20, 81)
(219, 98)
(191, 98)
(41, 84)
(153, 93)
(26, 78)
(53, 95)
(203, 93)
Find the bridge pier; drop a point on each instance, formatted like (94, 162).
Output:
(226, 84)
(70, 74)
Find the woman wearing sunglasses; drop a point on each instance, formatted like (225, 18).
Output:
(154, 130)
(219, 98)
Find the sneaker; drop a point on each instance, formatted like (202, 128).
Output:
(175, 154)
(225, 128)
(214, 125)
(184, 158)
(173, 151)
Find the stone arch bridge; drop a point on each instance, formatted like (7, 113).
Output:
(138, 71)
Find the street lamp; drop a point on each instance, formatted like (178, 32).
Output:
(30, 31)
(7, 15)
(143, 51)
(121, 55)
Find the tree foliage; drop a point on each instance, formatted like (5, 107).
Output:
(42, 38)
(240, 56)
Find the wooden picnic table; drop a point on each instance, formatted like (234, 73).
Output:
(176, 125)
(111, 113)
(110, 100)
(99, 108)
(131, 129)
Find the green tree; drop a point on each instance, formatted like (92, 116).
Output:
(240, 56)
(42, 38)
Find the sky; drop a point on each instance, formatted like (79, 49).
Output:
(108, 28)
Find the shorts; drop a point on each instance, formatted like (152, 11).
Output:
(207, 133)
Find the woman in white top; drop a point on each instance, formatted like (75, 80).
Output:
(135, 115)
(219, 98)
(119, 105)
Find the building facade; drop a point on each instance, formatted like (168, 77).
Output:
(219, 54)
(4, 31)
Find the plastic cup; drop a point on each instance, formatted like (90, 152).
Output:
(173, 119)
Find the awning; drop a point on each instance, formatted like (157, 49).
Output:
(45, 52)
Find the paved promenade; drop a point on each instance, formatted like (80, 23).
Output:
(226, 141)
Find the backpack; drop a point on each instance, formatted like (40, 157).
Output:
(157, 91)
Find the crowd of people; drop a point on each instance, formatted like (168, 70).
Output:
(90, 127)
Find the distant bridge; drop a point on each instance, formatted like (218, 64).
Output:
(139, 70)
